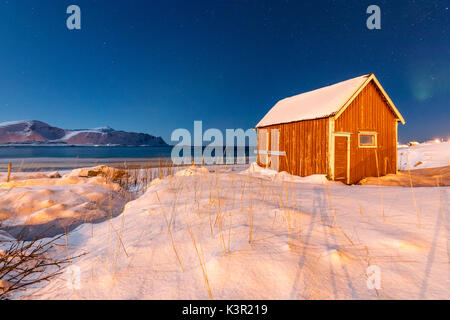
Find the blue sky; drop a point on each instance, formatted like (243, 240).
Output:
(154, 66)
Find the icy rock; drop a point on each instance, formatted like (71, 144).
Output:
(103, 171)
(54, 175)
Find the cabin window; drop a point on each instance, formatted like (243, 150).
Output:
(367, 139)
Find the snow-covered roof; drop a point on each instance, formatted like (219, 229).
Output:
(320, 103)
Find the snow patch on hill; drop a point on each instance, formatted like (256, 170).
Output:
(12, 123)
(424, 155)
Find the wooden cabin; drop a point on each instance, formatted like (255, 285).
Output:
(347, 131)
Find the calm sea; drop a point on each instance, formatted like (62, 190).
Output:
(24, 152)
(44, 158)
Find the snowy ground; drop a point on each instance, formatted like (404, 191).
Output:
(35, 205)
(424, 155)
(256, 234)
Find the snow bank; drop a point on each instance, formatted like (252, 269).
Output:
(238, 236)
(426, 177)
(5, 236)
(17, 176)
(425, 155)
(255, 170)
(45, 206)
(251, 234)
(193, 170)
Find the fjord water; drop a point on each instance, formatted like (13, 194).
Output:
(100, 152)
(44, 158)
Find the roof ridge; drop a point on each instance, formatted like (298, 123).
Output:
(330, 85)
(318, 103)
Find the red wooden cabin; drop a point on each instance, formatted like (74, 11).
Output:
(347, 131)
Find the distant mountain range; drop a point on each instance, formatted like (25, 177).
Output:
(38, 132)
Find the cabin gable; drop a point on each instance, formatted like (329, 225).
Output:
(369, 113)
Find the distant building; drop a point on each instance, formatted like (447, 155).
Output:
(347, 131)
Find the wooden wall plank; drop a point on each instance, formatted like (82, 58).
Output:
(305, 144)
(369, 112)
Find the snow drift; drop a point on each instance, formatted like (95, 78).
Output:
(201, 235)
(44, 207)
(253, 234)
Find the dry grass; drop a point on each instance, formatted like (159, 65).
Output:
(200, 260)
(9, 172)
(381, 190)
(413, 195)
(219, 214)
(25, 264)
(135, 180)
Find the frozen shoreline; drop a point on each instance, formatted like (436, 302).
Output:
(51, 164)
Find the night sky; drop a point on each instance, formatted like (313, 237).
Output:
(154, 66)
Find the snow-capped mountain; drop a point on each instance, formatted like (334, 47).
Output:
(33, 131)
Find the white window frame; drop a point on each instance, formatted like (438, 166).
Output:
(267, 154)
(368, 133)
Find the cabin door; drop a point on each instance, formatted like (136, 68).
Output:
(342, 158)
